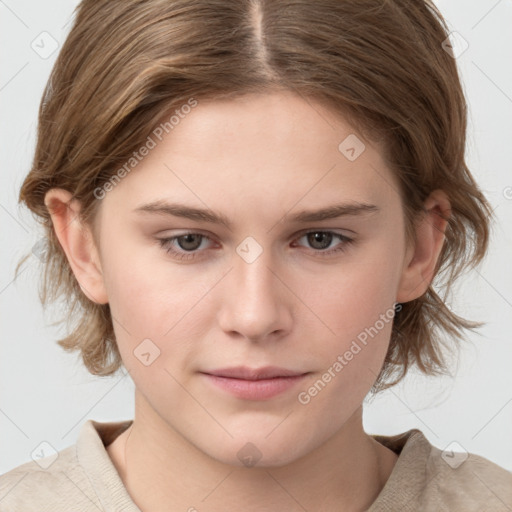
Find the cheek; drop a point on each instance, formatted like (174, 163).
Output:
(355, 308)
(351, 357)
(353, 296)
(138, 301)
(148, 293)
(159, 308)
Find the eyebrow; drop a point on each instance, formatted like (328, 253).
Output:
(161, 207)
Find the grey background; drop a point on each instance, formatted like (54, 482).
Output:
(46, 394)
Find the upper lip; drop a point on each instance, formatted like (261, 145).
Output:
(247, 373)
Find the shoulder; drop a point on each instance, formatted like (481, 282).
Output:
(80, 477)
(56, 482)
(430, 479)
(469, 481)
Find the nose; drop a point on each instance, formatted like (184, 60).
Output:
(254, 302)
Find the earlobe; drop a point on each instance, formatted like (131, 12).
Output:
(421, 260)
(77, 242)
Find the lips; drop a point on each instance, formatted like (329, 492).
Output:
(247, 383)
(247, 373)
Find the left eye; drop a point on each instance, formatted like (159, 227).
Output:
(322, 239)
(189, 243)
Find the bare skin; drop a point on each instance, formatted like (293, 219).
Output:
(257, 160)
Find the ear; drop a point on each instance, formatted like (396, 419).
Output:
(77, 242)
(421, 259)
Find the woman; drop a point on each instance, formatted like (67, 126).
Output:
(246, 205)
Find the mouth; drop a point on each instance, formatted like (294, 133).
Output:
(254, 384)
(247, 373)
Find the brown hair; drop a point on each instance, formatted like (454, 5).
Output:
(380, 63)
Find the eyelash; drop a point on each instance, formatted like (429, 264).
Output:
(166, 244)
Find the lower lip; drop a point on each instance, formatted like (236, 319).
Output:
(255, 389)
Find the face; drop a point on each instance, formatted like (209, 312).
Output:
(269, 287)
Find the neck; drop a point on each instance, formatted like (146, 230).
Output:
(161, 470)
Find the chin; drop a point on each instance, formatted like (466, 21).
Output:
(254, 451)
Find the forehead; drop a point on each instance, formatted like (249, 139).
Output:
(278, 121)
(274, 148)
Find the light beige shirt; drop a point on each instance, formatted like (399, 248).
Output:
(83, 479)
